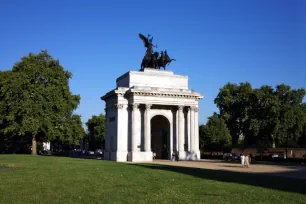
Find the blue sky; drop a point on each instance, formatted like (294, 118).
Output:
(214, 42)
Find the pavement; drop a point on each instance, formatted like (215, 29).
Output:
(275, 170)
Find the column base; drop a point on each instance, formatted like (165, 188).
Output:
(183, 155)
(198, 155)
(119, 156)
(140, 156)
(194, 155)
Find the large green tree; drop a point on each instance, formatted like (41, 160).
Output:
(96, 131)
(263, 116)
(35, 100)
(233, 103)
(74, 130)
(215, 134)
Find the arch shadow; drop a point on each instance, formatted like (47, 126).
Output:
(276, 182)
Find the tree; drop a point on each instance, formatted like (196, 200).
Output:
(233, 103)
(291, 118)
(263, 116)
(261, 119)
(36, 102)
(74, 130)
(302, 138)
(96, 131)
(215, 134)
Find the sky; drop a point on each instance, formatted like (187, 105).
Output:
(214, 42)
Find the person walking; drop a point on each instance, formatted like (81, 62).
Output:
(247, 161)
(173, 156)
(242, 160)
(177, 156)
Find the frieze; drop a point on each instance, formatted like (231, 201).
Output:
(164, 95)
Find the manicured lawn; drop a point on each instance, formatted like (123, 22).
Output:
(46, 179)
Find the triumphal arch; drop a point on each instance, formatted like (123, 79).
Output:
(151, 110)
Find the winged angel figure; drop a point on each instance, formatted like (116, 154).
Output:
(149, 60)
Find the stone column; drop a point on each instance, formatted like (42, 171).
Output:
(192, 128)
(147, 128)
(134, 127)
(188, 129)
(120, 129)
(180, 129)
(196, 128)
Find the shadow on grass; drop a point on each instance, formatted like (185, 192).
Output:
(260, 180)
(94, 157)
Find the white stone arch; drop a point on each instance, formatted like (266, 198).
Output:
(167, 114)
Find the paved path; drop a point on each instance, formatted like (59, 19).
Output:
(277, 170)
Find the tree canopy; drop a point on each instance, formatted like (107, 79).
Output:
(263, 116)
(36, 102)
(215, 134)
(96, 131)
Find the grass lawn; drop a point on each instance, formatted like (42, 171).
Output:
(47, 179)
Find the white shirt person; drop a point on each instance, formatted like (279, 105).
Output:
(242, 160)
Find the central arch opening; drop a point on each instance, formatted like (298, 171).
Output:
(160, 136)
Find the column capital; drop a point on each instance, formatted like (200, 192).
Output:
(118, 106)
(148, 106)
(134, 105)
(193, 108)
(180, 108)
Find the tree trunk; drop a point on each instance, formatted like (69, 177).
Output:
(34, 152)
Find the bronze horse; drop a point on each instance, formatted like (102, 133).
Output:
(164, 60)
(150, 61)
(151, 58)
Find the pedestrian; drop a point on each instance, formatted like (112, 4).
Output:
(154, 155)
(242, 160)
(177, 156)
(173, 156)
(247, 161)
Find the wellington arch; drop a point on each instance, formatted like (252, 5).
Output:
(151, 111)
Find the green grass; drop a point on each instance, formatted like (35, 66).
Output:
(47, 179)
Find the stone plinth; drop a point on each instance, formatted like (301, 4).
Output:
(153, 78)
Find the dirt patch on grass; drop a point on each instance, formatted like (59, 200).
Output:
(5, 168)
(277, 170)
